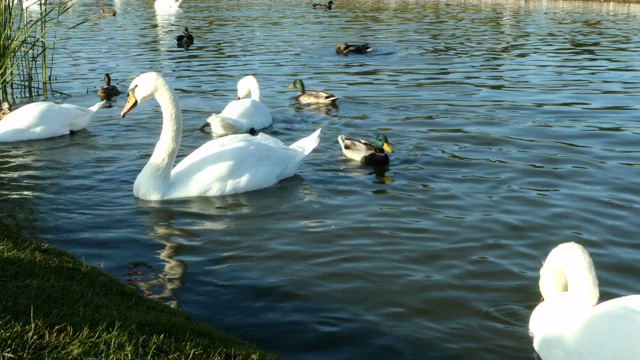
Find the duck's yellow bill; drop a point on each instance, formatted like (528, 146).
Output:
(387, 148)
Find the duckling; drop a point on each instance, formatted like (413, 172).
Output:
(364, 151)
(186, 39)
(108, 91)
(311, 97)
(346, 49)
(323, 6)
(107, 13)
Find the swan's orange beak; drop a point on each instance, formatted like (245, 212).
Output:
(130, 105)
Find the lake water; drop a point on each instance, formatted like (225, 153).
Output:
(514, 125)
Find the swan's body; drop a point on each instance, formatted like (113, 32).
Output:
(228, 165)
(569, 325)
(364, 151)
(311, 97)
(346, 49)
(242, 115)
(43, 120)
(29, 3)
(107, 91)
(167, 4)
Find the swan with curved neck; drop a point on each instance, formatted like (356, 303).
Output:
(228, 165)
(569, 325)
(244, 114)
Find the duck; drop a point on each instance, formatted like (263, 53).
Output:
(164, 5)
(186, 39)
(108, 91)
(569, 324)
(244, 115)
(5, 109)
(107, 13)
(311, 97)
(366, 152)
(323, 6)
(346, 49)
(41, 120)
(228, 165)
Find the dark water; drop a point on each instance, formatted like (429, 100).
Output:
(514, 125)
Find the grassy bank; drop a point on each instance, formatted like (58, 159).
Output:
(54, 306)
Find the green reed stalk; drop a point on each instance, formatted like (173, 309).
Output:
(24, 47)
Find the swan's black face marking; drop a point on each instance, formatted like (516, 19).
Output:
(132, 102)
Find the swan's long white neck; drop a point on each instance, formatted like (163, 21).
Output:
(569, 269)
(255, 92)
(154, 178)
(249, 84)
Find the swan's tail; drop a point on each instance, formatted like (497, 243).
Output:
(307, 144)
(97, 106)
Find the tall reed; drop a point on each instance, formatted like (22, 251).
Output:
(26, 52)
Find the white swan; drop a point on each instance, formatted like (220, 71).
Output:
(43, 120)
(569, 325)
(167, 4)
(228, 165)
(241, 115)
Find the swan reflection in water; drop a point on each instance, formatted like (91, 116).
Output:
(213, 214)
(161, 285)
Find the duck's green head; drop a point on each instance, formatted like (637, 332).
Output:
(297, 84)
(382, 144)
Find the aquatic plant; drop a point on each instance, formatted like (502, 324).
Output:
(26, 52)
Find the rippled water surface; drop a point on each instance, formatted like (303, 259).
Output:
(514, 125)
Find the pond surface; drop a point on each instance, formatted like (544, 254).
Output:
(514, 125)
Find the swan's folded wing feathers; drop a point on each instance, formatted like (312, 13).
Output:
(242, 163)
(242, 116)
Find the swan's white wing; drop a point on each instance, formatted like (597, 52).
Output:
(42, 120)
(241, 116)
(610, 330)
(233, 164)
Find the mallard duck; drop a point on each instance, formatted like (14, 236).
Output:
(241, 115)
(227, 165)
(346, 49)
(41, 120)
(108, 91)
(570, 324)
(107, 13)
(186, 39)
(323, 6)
(311, 97)
(364, 151)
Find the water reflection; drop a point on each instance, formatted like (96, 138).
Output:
(165, 20)
(325, 109)
(161, 286)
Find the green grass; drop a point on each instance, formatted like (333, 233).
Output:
(53, 306)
